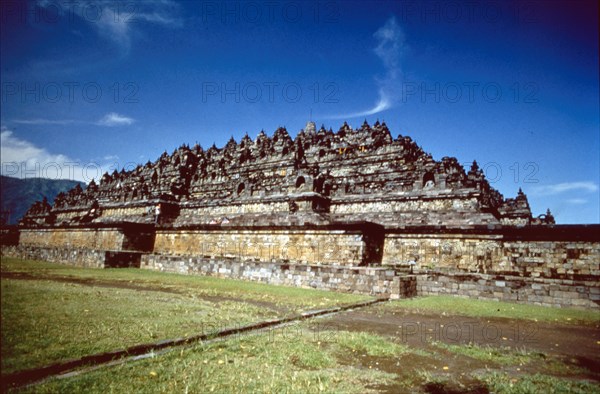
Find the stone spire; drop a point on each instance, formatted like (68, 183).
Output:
(310, 128)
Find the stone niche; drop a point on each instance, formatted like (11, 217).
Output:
(308, 202)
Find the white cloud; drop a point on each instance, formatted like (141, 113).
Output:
(383, 103)
(390, 44)
(44, 121)
(576, 201)
(23, 159)
(550, 190)
(115, 20)
(115, 119)
(109, 120)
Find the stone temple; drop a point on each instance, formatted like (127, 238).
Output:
(353, 210)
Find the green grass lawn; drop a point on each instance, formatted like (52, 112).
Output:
(46, 319)
(295, 360)
(498, 355)
(259, 363)
(483, 308)
(59, 312)
(504, 383)
(298, 299)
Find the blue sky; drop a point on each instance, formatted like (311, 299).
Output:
(88, 86)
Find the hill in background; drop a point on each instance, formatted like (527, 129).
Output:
(17, 195)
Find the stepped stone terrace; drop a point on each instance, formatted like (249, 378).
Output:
(352, 210)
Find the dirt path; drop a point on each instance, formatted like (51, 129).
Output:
(574, 348)
(416, 329)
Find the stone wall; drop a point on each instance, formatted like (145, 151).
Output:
(68, 215)
(556, 266)
(128, 211)
(122, 259)
(117, 238)
(433, 251)
(251, 206)
(139, 211)
(336, 247)
(496, 252)
(553, 258)
(537, 291)
(407, 202)
(364, 280)
(79, 257)
(78, 238)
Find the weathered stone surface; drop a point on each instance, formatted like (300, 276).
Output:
(533, 291)
(352, 211)
(496, 251)
(106, 239)
(120, 237)
(354, 174)
(373, 281)
(89, 258)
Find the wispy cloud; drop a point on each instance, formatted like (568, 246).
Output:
(576, 201)
(550, 190)
(390, 45)
(117, 21)
(111, 119)
(115, 119)
(44, 121)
